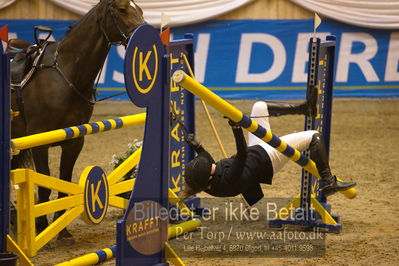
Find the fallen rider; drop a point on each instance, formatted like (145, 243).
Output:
(258, 162)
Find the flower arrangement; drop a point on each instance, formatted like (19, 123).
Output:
(118, 160)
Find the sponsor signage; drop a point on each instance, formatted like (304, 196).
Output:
(264, 58)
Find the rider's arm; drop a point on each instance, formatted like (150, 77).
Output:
(236, 169)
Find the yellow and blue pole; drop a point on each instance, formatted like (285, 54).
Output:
(92, 258)
(252, 126)
(109, 253)
(76, 131)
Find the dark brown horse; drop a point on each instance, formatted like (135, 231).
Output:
(60, 94)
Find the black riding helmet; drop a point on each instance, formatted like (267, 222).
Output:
(198, 171)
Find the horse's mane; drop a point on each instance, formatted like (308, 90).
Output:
(82, 19)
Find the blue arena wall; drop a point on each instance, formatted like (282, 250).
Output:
(265, 59)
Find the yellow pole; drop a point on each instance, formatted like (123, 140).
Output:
(252, 126)
(14, 248)
(211, 122)
(206, 110)
(171, 256)
(76, 131)
(179, 229)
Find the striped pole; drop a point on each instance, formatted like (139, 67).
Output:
(109, 253)
(252, 126)
(76, 131)
(92, 258)
(208, 115)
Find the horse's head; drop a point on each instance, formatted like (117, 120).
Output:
(118, 18)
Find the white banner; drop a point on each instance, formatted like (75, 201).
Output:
(381, 14)
(5, 3)
(181, 12)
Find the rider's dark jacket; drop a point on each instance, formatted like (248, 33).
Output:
(242, 173)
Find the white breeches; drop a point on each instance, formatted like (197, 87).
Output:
(299, 140)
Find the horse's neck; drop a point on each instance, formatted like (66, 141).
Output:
(83, 52)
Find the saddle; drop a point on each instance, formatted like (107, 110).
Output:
(25, 56)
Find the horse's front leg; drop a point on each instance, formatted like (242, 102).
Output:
(40, 157)
(69, 155)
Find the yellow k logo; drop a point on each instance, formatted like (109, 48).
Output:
(144, 67)
(94, 196)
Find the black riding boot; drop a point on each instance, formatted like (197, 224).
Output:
(328, 183)
(307, 108)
